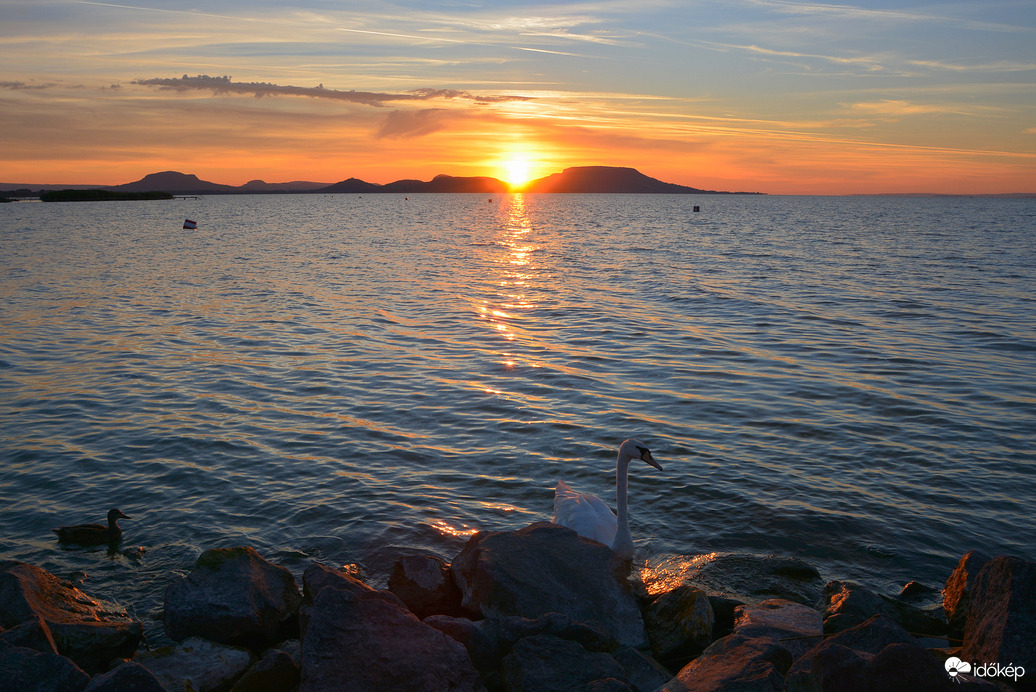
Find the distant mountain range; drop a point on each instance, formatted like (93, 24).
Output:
(576, 179)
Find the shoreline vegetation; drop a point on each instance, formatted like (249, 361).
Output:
(532, 610)
(99, 195)
(580, 179)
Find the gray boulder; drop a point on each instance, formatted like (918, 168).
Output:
(89, 632)
(197, 664)
(483, 648)
(756, 656)
(425, 583)
(489, 641)
(644, 673)
(876, 654)
(233, 596)
(914, 592)
(846, 604)
(791, 625)
(318, 577)
(276, 671)
(549, 568)
(956, 597)
(1001, 627)
(898, 667)
(544, 663)
(723, 608)
(679, 623)
(754, 577)
(735, 663)
(127, 677)
(360, 641)
(26, 670)
(507, 631)
(32, 634)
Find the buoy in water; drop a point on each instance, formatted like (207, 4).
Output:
(187, 223)
(697, 208)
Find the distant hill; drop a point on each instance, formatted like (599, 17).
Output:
(352, 185)
(594, 179)
(440, 183)
(175, 182)
(293, 186)
(605, 179)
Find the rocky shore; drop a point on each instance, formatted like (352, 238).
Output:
(537, 609)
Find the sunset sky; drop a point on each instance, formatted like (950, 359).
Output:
(773, 96)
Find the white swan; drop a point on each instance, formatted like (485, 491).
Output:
(588, 516)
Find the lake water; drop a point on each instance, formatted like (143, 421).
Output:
(342, 378)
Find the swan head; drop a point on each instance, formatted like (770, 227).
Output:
(635, 449)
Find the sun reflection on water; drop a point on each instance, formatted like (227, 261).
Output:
(516, 270)
(446, 529)
(669, 573)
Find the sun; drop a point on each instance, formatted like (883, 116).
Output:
(517, 170)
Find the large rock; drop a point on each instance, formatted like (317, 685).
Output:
(756, 656)
(645, 673)
(507, 631)
(735, 663)
(32, 634)
(723, 608)
(235, 597)
(85, 630)
(847, 604)
(877, 654)
(543, 663)
(276, 671)
(679, 623)
(425, 583)
(483, 648)
(489, 641)
(795, 627)
(318, 577)
(359, 641)
(956, 596)
(127, 677)
(197, 665)
(548, 568)
(1002, 622)
(26, 670)
(754, 577)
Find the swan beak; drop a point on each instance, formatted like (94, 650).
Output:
(646, 456)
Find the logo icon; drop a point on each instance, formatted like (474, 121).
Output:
(955, 666)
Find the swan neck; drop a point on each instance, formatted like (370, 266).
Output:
(622, 529)
(622, 474)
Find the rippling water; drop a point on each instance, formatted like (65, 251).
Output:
(344, 378)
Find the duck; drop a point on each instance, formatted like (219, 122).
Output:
(93, 534)
(590, 517)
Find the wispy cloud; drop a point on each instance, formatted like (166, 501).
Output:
(853, 12)
(999, 66)
(867, 62)
(404, 124)
(896, 107)
(225, 85)
(22, 86)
